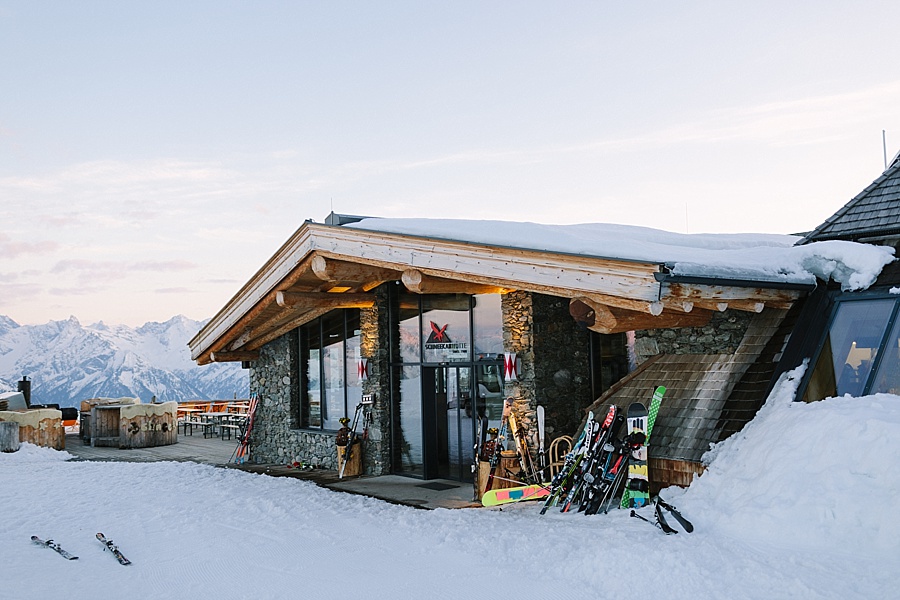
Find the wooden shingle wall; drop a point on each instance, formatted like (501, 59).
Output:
(699, 392)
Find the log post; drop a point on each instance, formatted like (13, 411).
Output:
(9, 436)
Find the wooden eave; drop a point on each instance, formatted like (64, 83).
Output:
(323, 267)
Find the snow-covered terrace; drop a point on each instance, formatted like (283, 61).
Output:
(625, 277)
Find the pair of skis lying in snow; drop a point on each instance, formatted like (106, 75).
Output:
(661, 522)
(107, 545)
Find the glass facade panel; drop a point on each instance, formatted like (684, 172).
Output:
(409, 328)
(333, 370)
(312, 409)
(850, 349)
(445, 328)
(408, 428)
(353, 382)
(887, 378)
(329, 349)
(487, 321)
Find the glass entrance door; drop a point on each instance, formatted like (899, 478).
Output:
(449, 427)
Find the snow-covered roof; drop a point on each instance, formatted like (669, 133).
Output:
(618, 272)
(750, 257)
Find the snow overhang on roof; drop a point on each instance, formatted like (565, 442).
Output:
(618, 278)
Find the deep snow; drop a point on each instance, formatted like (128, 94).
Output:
(801, 504)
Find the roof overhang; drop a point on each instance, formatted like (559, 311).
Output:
(323, 267)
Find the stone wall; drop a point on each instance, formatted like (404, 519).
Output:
(555, 356)
(722, 335)
(276, 436)
(374, 346)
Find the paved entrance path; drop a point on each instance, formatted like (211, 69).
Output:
(214, 451)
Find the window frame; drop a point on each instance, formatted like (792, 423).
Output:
(840, 301)
(303, 348)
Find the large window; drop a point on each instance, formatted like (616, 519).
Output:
(329, 351)
(860, 353)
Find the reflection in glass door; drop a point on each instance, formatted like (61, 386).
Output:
(448, 423)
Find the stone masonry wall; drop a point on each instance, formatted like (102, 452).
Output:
(722, 335)
(276, 437)
(555, 357)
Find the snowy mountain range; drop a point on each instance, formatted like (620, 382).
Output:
(68, 362)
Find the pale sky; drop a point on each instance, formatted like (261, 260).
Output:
(154, 155)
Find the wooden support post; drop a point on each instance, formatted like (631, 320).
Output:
(9, 436)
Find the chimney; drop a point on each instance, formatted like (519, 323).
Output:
(25, 388)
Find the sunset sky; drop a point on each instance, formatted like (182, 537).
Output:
(154, 155)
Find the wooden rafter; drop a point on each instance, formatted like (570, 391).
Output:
(233, 356)
(418, 282)
(610, 319)
(311, 300)
(366, 277)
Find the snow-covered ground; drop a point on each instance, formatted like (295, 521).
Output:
(802, 504)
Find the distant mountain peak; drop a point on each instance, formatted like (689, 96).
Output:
(68, 362)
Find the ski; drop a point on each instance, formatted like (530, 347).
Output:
(659, 524)
(239, 456)
(53, 546)
(499, 445)
(601, 475)
(559, 485)
(542, 458)
(529, 472)
(480, 439)
(585, 477)
(687, 525)
(514, 494)
(108, 545)
(362, 409)
(663, 524)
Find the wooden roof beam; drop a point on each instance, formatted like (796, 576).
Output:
(233, 356)
(418, 282)
(366, 277)
(310, 300)
(609, 319)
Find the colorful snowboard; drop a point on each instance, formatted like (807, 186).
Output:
(514, 494)
(640, 425)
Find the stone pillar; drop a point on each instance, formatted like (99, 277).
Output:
(375, 346)
(555, 355)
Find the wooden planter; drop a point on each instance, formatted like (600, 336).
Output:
(39, 426)
(354, 465)
(134, 425)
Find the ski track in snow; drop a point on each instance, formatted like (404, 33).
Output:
(802, 504)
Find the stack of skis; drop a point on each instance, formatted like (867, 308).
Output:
(604, 461)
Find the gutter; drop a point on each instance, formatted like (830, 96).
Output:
(666, 276)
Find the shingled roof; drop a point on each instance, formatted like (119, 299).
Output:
(873, 213)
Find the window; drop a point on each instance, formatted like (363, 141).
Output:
(854, 348)
(329, 351)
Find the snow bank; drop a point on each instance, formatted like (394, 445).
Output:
(812, 477)
(764, 257)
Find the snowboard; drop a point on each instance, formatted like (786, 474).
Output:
(637, 486)
(514, 494)
(637, 480)
(109, 545)
(53, 546)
